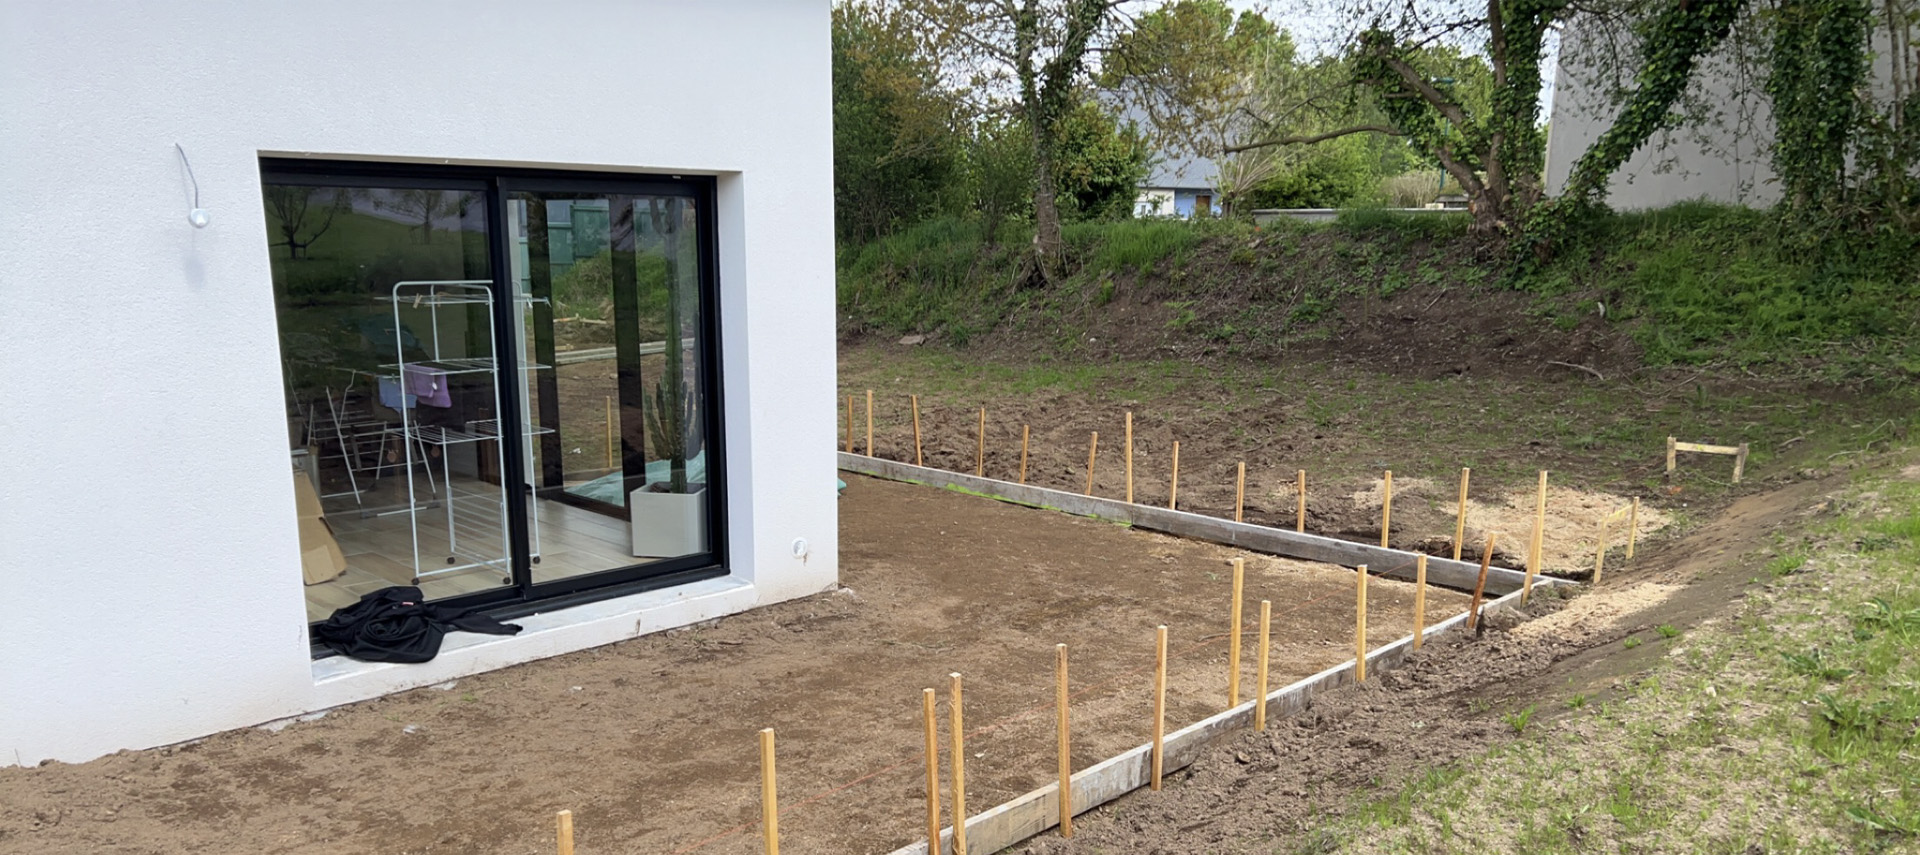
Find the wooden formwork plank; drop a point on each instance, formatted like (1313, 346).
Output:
(1390, 563)
(1029, 815)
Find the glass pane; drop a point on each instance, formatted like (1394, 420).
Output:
(391, 403)
(615, 302)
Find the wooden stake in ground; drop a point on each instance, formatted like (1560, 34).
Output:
(769, 794)
(1260, 703)
(1535, 558)
(1480, 589)
(1233, 634)
(918, 460)
(1066, 755)
(1129, 458)
(1240, 493)
(1024, 430)
(1300, 517)
(1173, 482)
(1600, 549)
(933, 770)
(1740, 463)
(1159, 704)
(1420, 597)
(1633, 526)
(1460, 516)
(1673, 456)
(869, 422)
(958, 756)
(1093, 450)
(849, 424)
(1386, 507)
(563, 830)
(609, 433)
(980, 446)
(1360, 627)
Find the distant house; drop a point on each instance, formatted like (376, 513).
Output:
(1177, 187)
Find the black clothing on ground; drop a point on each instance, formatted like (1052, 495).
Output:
(397, 625)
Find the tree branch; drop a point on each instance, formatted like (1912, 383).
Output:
(1309, 140)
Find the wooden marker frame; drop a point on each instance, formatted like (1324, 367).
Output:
(1386, 508)
(849, 424)
(1300, 515)
(1093, 450)
(1025, 430)
(980, 447)
(1129, 456)
(957, 761)
(929, 713)
(1737, 452)
(1633, 526)
(1420, 600)
(1480, 587)
(1240, 492)
(869, 422)
(1536, 556)
(563, 832)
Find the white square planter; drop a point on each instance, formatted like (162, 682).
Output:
(668, 525)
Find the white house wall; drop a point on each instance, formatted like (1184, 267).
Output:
(150, 585)
(1723, 159)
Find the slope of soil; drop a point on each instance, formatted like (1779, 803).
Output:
(1265, 792)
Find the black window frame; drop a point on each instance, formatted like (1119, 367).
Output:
(524, 596)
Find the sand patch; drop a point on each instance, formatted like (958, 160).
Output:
(1597, 614)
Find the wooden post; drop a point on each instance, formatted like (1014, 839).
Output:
(1480, 588)
(563, 831)
(1024, 430)
(1173, 482)
(958, 761)
(1066, 755)
(1233, 633)
(869, 422)
(1240, 493)
(1159, 705)
(1360, 627)
(1129, 458)
(980, 446)
(609, 433)
(769, 794)
(918, 459)
(1633, 526)
(1093, 449)
(1460, 516)
(1600, 550)
(1260, 703)
(1420, 598)
(849, 424)
(1673, 456)
(1300, 516)
(1535, 556)
(1740, 463)
(1386, 507)
(933, 769)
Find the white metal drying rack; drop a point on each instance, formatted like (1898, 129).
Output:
(468, 512)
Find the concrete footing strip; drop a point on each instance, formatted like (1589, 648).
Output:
(1381, 561)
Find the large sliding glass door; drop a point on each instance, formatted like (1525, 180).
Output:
(500, 384)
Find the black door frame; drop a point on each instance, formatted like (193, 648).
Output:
(524, 596)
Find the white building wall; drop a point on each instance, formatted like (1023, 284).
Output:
(1725, 158)
(150, 586)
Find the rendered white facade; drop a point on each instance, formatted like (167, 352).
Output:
(1723, 156)
(150, 584)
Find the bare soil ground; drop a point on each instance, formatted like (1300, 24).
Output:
(1269, 792)
(651, 742)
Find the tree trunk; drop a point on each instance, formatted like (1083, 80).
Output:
(1048, 245)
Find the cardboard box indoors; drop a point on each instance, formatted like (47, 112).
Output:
(320, 557)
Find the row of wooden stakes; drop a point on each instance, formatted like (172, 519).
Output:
(1632, 511)
(956, 729)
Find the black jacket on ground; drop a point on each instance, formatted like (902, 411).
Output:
(397, 625)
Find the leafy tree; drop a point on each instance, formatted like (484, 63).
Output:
(898, 156)
(1031, 55)
(1100, 165)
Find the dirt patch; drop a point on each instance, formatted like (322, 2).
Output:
(652, 742)
(1266, 792)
